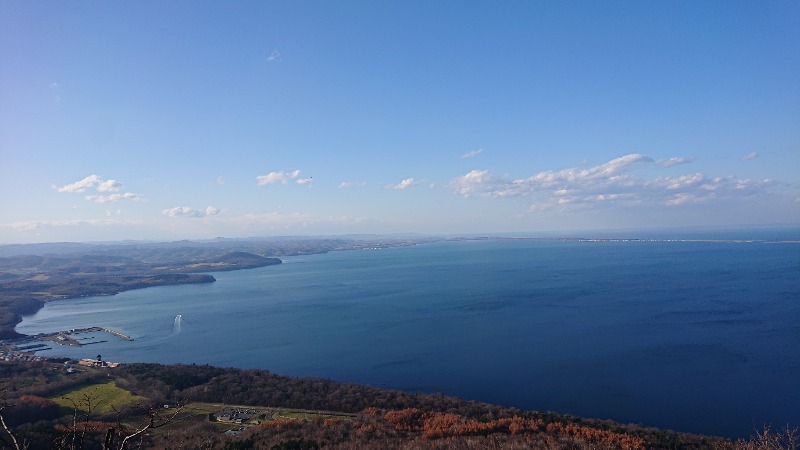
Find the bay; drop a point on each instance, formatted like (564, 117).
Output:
(693, 336)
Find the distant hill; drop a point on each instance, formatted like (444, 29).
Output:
(232, 261)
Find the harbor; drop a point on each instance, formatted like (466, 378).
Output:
(66, 337)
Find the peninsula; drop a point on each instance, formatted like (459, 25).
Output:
(33, 274)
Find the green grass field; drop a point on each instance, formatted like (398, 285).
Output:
(102, 397)
(307, 416)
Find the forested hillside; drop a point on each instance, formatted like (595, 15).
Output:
(377, 418)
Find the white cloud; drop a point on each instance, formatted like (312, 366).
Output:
(302, 181)
(108, 186)
(683, 181)
(274, 56)
(113, 197)
(99, 185)
(220, 180)
(611, 182)
(277, 177)
(185, 211)
(749, 156)
(485, 184)
(405, 184)
(80, 186)
(472, 153)
(92, 182)
(479, 182)
(673, 161)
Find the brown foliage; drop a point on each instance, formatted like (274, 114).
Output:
(410, 419)
(439, 425)
(597, 436)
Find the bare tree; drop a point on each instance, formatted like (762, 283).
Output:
(4, 403)
(74, 438)
(14, 443)
(766, 439)
(118, 438)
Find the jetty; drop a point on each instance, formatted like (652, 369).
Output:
(117, 334)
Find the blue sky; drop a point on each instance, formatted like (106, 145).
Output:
(173, 120)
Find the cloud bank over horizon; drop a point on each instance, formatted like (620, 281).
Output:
(609, 182)
(628, 182)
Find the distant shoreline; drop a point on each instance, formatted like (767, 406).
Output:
(12, 309)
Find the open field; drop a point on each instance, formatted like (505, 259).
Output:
(99, 398)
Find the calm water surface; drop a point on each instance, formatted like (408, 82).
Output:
(694, 336)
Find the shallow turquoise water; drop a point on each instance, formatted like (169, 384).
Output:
(695, 336)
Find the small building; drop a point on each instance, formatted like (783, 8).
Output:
(89, 362)
(235, 415)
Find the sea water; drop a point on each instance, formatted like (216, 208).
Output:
(693, 336)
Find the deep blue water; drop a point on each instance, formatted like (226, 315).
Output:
(694, 336)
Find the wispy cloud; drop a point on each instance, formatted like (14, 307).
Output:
(282, 220)
(350, 184)
(611, 182)
(277, 177)
(303, 181)
(56, 96)
(472, 153)
(185, 211)
(749, 156)
(673, 161)
(114, 197)
(274, 56)
(405, 184)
